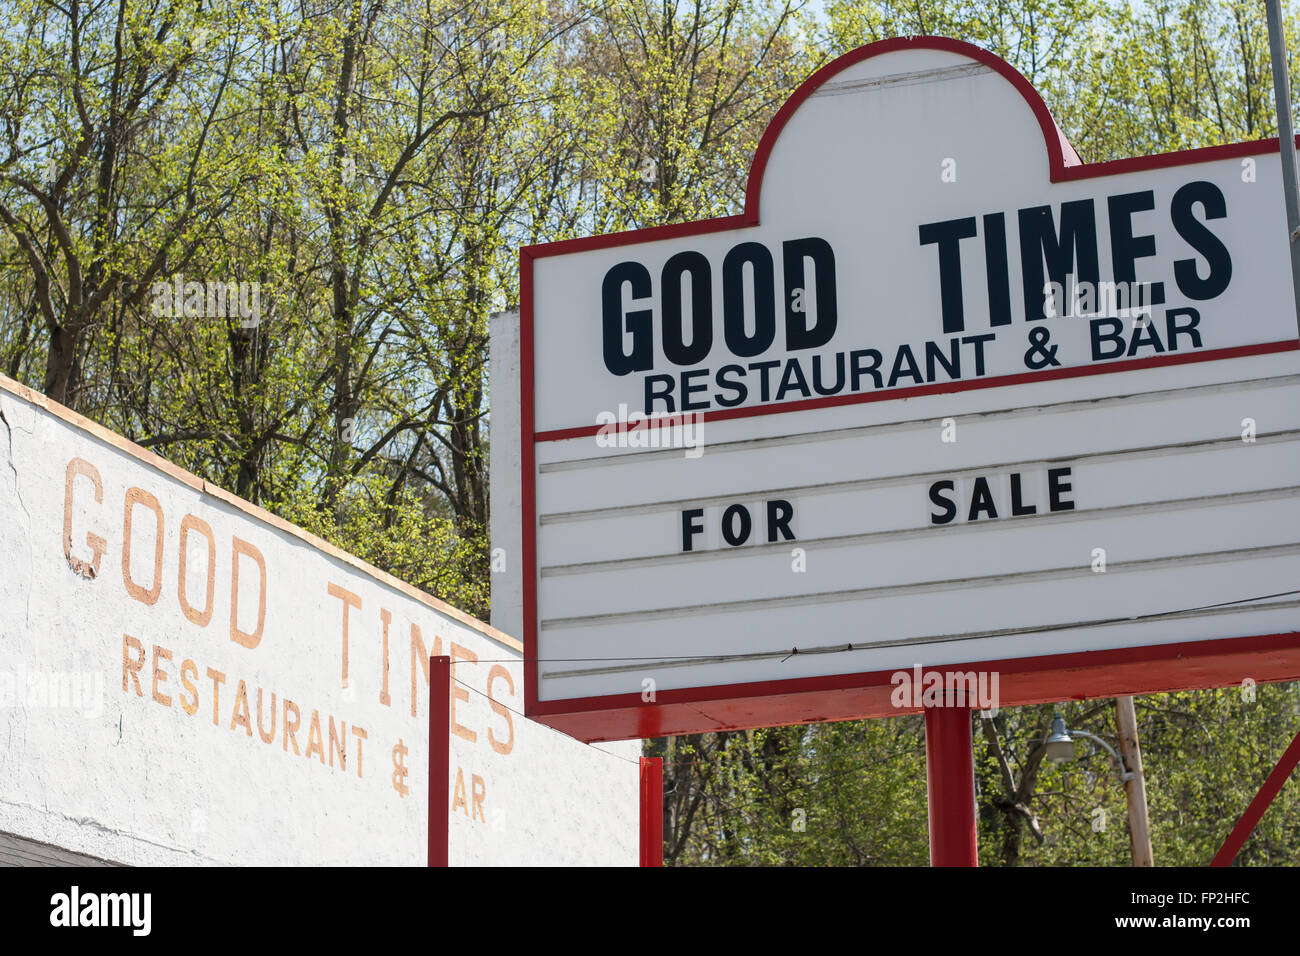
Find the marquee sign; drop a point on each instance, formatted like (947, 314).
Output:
(941, 395)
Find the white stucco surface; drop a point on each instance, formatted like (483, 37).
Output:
(226, 713)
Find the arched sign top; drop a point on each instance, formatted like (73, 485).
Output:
(1060, 153)
(1063, 162)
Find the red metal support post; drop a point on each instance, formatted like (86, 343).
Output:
(950, 786)
(652, 811)
(1272, 786)
(439, 758)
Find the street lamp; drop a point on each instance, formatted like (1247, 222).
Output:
(1060, 747)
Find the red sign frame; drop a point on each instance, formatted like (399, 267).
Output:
(1139, 670)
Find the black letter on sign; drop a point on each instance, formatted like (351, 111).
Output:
(1039, 241)
(1125, 248)
(779, 513)
(1057, 486)
(1202, 240)
(981, 499)
(675, 349)
(995, 265)
(740, 537)
(1105, 334)
(733, 299)
(1018, 507)
(638, 322)
(797, 334)
(949, 235)
(659, 386)
(689, 528)
(947, 504)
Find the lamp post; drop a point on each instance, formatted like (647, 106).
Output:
(1286, 135)
(1060, 748)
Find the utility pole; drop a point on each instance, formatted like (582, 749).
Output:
(1286, 137)
(1135, 788)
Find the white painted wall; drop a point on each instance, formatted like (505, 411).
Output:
(115, 745)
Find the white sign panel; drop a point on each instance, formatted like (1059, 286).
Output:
(186, 679)
(942, 394)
